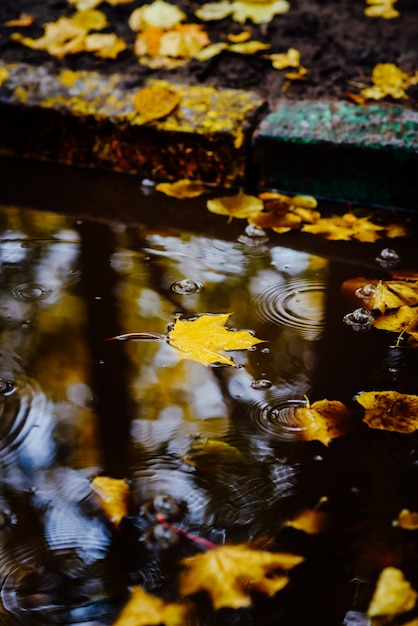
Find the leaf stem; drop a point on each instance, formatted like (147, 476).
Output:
(138, 337)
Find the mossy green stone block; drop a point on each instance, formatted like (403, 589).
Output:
(341, 151)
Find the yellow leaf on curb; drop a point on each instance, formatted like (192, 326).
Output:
(229, 574)
(156, 101)
(182, 189)
(390, 410)
(203, 339)
(241, 206)
(145, 609)
(113, 496)
(393, 594)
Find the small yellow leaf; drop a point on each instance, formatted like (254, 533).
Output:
(145, 609)
(345, 227)
(244, 35)
(159, 14)
(182, 189)
(24, 20)
(105, 46)
(211, 51)
(240, 206)
(249, 47)
(258, 12)
(389, 80)
(381, 8)
(407, 520)
(205, 453)
(203, 338)
(310, 521)
(156, 101)
(4, 75)
(324, 420)
(214, 11)
(113, 495)
(90, 20)
(291, 58)
(85, 5)
(393, 594)
(390, 410)
(229, 574)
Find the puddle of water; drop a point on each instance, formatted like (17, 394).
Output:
(74, 405)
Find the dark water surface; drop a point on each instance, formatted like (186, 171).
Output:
(87, 256)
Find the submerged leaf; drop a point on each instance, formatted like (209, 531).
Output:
(229, 574)
(182, 189)
(145, 609)
(113, 495)
(205, 453)
(203, 338)
(390, 410)
(156, 101)
(241, 206)
(393, 594)
(324, 420)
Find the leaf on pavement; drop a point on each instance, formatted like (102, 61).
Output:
(381, 8)
(24, 20)
(105, 46)
(390, 410)
(258, 11)
(159, 14)
(229, 574)
(241, 206)
(113, 497)
(182, 189)
(408, 520)
(389, 80)
(156, 101)
(169, 48)
(203, 339)
(145, 609)
(324, 420)
(393, 594)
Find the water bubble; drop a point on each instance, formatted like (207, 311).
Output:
(31, 292)
(366, 291)
(6, 387)
(388, 258)
(361, 320)
(253, 236)
(265, 350)
(261, 383)
(186, 286)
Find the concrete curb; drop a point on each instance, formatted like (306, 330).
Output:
(332, 150)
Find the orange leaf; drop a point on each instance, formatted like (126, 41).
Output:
(156, 101)
(390, 410)
(145, 609)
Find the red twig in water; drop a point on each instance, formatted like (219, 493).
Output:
(137, 337)
(200, 540)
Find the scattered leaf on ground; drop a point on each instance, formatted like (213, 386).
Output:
(241, 206)
(205, 454)
(229, 574)
(310, 521)
(4, 75)
(390, 410)
(105, 46)
(256, 11)
(281, 61)
(24, 20)
(324, 420)
(156, 101)
(159, 14)
(203, 338)
(407, 520)
(389, 80)
(113, 497)
(182, 189)
(381, 8)
(145, 609)
(168, 48)
(393, 594)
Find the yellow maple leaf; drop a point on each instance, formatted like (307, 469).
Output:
(390, 410)
(229, 574)
(113, 497)
(408, 520)
(203, 338)
(345, 227)
(381, 8)
(309, 521)
(156, 101)
(4, 75)
(159, 14)
(182, 189)
(402, 320)
(145, 609)
(388, 294)
(241, 206)
(393, 594)
(389, 80)
(324, 420)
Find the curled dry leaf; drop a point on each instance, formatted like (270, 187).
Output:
(393, 594)
(390, 410)
(113, 497)
(324, 420)
(240, 206)
(407, 520)
(203, 339)
(145, 609)
(156, 101)
(389, 80)
(182, 189)
(381, 8)
(229, 574)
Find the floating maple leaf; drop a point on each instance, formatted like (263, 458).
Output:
(324, 420)
(284, 212)
(309, 521)
(156, 101)
(203, 338)
(145, 609)
(390, 410)
(381, 8)
(389, 80)
(407, 520)
(182, 189)
(240, 206)
(113, 496)
(393, 594)
(345, 227)
(229, 574)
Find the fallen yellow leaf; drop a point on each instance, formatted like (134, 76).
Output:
(24, 19)
(402, 320)
(205, 453)
(113, 497)
(85, 5)
(167, 48)
(389, 294)
(345, 227)
(241, 206)
(389, 80)
(159, 14)
(393, 594)
(390, 410)
(156, 101)
(407, 520)
(291, 58)
(229, 574)
(203, 338)
(4, 75)
(145, 609)
(381, 8)
(258, 12)
(105, 46)
(324, 420)
(182, 189)
(310, 521)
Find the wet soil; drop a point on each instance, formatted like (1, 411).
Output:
(339, 46)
